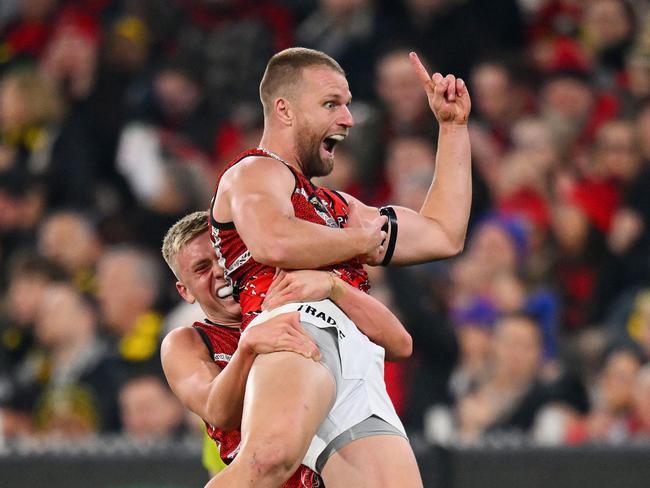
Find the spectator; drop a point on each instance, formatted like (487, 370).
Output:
(477, 28)
(575, 109)
(609, 29)
(150, 412)
(165, 157)
(26, 33)
(22, 204)
(499, 102)
(474, 326)
(128, 281)
(513, 393)
(612, 404)
(400, 93)
(70, 239)
(78, 398)
(30, 118)
(29, 277)
(410, 163)
(351, 32)
(639, 420)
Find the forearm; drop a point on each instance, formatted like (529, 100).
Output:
(438, 230)
(226, 395)
(374, 320)
(449, 198)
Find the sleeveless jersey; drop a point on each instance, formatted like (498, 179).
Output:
(251, 279)
(221, 343)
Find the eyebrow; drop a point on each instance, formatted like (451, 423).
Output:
(199, 264)
(337, 96)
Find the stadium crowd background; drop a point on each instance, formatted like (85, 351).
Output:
(116, 117)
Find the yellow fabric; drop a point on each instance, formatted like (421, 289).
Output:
(636, 324)
(142, 342)
(12, 338)
(211, 459)
(85, 281)
(71, 406)
(133, 29)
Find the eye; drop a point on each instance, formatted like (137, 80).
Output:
(329, 104)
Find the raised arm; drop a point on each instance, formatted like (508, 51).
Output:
(217, 395)
(257, 193)
(369, 314)
(438, 229)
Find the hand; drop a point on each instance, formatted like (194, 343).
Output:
(448, 97)
(369, 220)
(281, 333)
(297, 286)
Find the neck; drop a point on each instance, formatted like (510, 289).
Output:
(281, 145)
(232, 324)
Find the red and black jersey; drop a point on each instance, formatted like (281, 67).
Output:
(251, 279)
(221, 342)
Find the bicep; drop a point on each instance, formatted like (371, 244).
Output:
(260, 192)
(419, 239)
(188, 368)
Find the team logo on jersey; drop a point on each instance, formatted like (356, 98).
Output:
(319, 206)
(220, 356)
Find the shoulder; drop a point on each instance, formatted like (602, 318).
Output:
(182, 339)
(256, 168)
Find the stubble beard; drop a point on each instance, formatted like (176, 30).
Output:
(309, 153)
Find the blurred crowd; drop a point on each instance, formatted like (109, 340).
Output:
(116, 116)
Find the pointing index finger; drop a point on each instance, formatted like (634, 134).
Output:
(420, 69)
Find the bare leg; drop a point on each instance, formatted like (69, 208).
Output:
(381, 461)
(287, 398)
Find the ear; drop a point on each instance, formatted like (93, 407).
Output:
(283, 111)
(184, 292)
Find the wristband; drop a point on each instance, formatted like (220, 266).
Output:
(392, 224)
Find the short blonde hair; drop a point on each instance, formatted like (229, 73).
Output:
(185, 230)
(284, 71)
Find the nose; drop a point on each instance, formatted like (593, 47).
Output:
(346, 120)
(217, 270)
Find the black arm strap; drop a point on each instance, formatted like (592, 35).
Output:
(392, 225)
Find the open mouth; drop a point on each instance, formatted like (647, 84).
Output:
(330, 142)
(223, 290)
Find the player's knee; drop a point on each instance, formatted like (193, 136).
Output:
(274, 460)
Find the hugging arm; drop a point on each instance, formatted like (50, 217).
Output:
(371, 317)
(217, 395)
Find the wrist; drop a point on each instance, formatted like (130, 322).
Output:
(337, 288)
(356, 237)
(453, 127)
(246, 347)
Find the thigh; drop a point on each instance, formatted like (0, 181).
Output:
(382, 461)
(287, 397)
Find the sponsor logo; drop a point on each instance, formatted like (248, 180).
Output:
(316, 313)
(220, 356)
